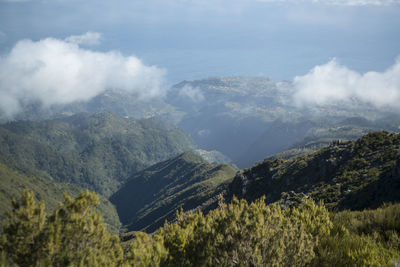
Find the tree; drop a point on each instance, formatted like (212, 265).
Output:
(23, 226)
(73, 235)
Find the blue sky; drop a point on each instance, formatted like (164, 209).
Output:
(195, 39)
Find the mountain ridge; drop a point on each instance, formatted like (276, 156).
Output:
(154, 194)
(96, 151)
(346, 175)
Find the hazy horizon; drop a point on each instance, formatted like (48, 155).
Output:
(196, 39)
(61, 51)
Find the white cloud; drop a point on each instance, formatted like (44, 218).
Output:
(333, 83)
(193, 93)
(89, 38)
(54, 71)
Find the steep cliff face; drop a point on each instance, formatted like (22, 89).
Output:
(345, 175)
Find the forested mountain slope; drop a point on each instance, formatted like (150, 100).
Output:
(95, 151)
(346, 175)
(13, 182)
(154, 194)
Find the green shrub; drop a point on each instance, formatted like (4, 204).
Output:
(353, 250)
(239, 234)
(73, 235)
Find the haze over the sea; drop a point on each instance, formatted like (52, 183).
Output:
(196, 39)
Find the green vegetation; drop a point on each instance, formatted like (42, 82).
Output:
(72, 235)
(275, 221)
(151, 196)
(235, 234)
(362, 238)
(13, 182)
(345, 175)
(98, 151)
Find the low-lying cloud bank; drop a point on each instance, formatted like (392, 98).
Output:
(333, 83)
(192, 93)
(53, 71)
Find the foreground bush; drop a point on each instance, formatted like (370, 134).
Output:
(362, 238)
(73, 235)
(235, 234)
